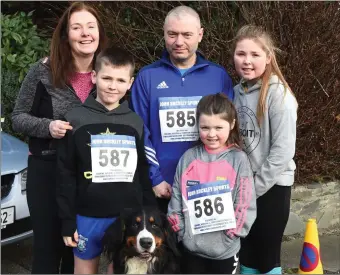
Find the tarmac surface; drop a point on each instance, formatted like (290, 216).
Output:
(17, 258)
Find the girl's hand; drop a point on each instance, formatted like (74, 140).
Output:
(58, 128)
(69, 242)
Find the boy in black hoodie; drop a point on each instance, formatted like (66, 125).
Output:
(102, 166)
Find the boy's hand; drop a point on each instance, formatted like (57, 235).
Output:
(58, 128)
(69, 242)
(162, 190)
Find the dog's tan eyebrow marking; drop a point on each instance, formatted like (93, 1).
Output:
(152, 219)
(138, 219)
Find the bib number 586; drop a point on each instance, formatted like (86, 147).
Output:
(208, 207)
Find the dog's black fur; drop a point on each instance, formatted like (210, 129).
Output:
(121, 243)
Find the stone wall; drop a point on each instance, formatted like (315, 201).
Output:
(320, 201)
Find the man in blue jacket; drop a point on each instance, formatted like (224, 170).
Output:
(165, 94)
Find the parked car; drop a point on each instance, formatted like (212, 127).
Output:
(15, 217)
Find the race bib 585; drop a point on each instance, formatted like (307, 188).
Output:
(177, 117)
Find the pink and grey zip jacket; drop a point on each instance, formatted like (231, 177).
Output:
(198, 166)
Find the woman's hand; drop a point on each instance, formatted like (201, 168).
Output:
(58, 128)
(69, 242)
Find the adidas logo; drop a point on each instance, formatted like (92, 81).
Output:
(162, 85)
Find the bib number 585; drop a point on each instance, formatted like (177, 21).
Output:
(208, 207)
(179, 118)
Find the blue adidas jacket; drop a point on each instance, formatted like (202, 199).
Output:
(158, 93)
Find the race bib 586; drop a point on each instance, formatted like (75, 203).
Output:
(210, 207)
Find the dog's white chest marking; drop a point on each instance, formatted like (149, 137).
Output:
(137, 265)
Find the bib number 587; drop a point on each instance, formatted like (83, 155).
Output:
(112, 156)
(208, 207)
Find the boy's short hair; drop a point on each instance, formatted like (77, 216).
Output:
(116, 57)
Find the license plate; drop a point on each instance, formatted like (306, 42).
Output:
(7, 216)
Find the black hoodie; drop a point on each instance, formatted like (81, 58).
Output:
(119, 177)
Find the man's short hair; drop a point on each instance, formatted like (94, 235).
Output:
(116, 57)
(181, 12)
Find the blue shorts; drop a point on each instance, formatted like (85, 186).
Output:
(90, 232)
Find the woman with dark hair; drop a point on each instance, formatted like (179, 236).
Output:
(53, 86)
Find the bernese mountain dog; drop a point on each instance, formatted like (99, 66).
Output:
(142, 242)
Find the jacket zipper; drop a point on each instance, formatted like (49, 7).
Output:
(73, 91)
(183, 76)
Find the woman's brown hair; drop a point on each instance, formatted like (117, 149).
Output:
(219, 104)
(61, 55)
(260, 36)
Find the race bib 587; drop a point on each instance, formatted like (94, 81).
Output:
(177, 117)
(113, 157)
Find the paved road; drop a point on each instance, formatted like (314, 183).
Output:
(16, 258)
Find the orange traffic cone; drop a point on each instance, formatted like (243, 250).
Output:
(310, 262)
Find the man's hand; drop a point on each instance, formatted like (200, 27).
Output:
(58, 128)
(69, 242)
(162, 190)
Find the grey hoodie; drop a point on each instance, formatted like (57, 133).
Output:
(198, 168)
(271, 145)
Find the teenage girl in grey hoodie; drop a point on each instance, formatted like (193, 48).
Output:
(267, 112)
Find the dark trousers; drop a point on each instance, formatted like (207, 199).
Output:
(49, 251)
(261, 249)
(192, 264)
(163, 205)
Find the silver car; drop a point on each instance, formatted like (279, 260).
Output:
(15, 220)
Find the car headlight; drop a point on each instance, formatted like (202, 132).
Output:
(23, 180)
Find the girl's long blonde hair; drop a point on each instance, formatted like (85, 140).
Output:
(260, 36)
